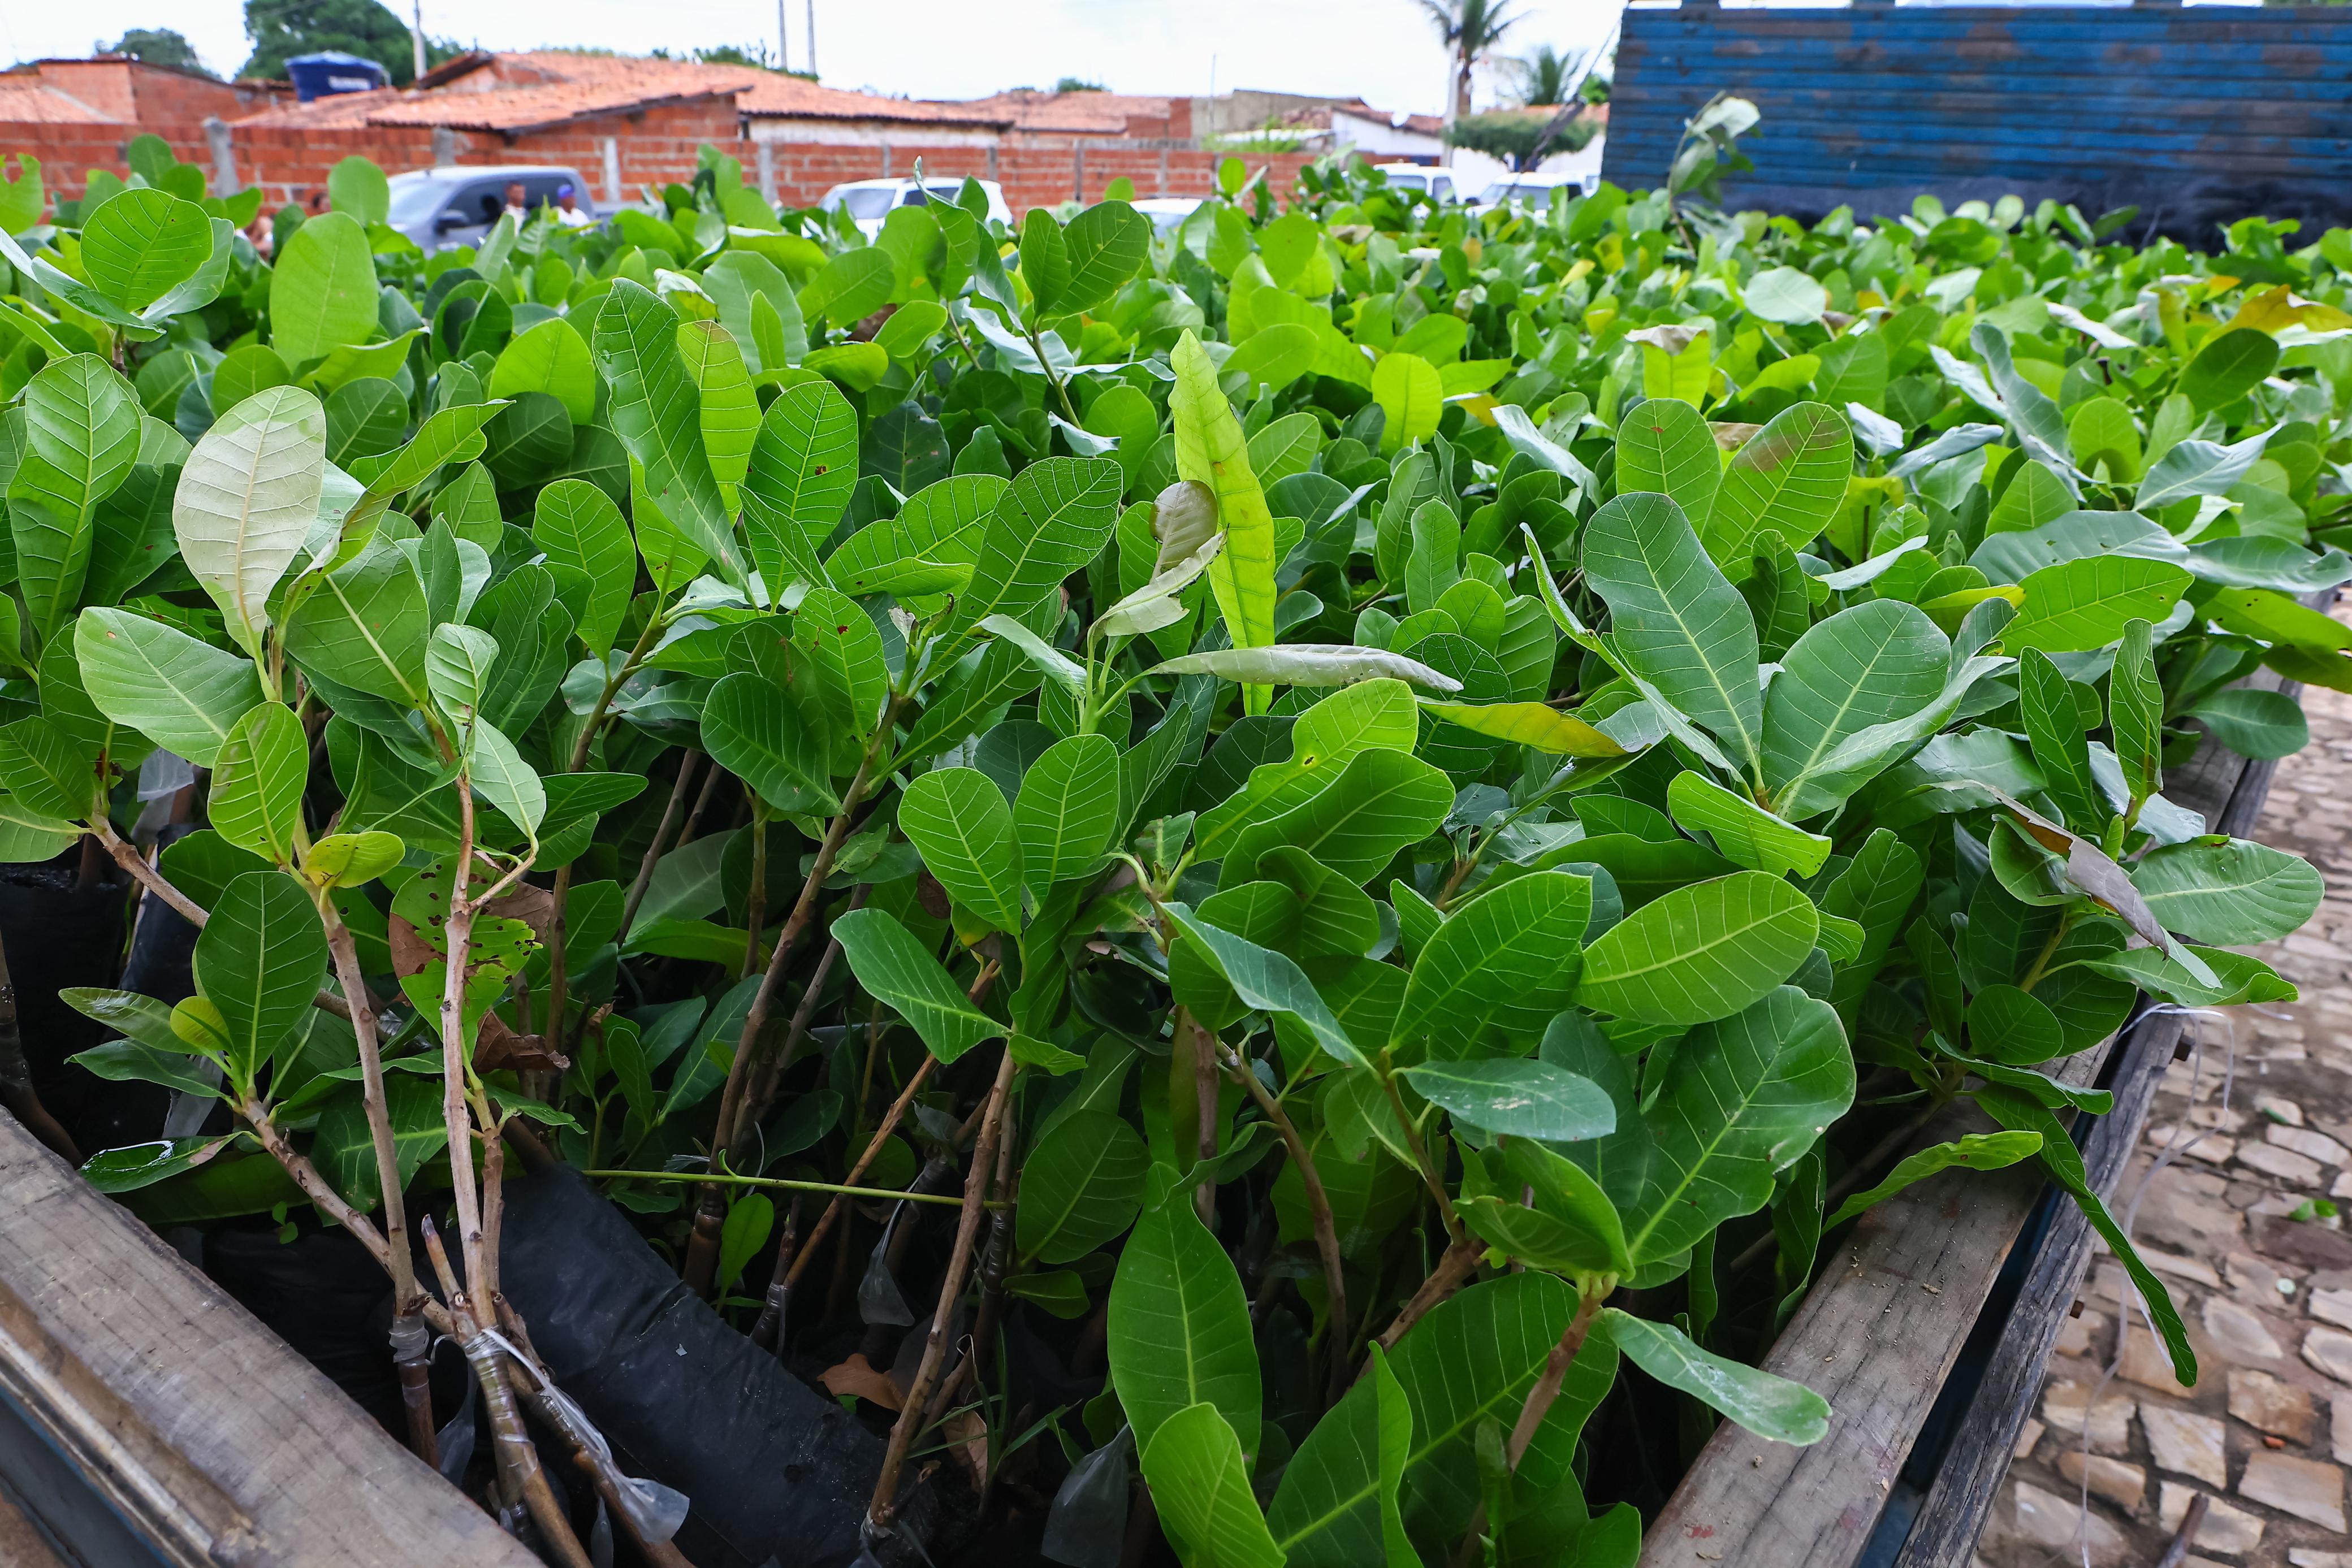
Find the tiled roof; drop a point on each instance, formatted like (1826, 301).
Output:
(534, 89)
(1101, 113)
(24, 99)
(796, 98)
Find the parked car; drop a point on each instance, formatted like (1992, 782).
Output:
(1168, 213)
(1532, 190)
(1427, 178)
(870, 200)
(438, 208)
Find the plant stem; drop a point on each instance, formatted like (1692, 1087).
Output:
(879, 1194)
(1455, 1266)
(1318, 1210)
(702, 1246)
(2049, 951)
(1555, 1373)
(322, 1196)
(882, 1509)
(768, 1332)
(873, 1148)
(685, 767)
(1421, 1154)
(128, 857)
(412, 1351)
(762, 1091)
(755, 905)
(459, 933)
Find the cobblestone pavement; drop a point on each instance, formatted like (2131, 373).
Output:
(2267, 1298)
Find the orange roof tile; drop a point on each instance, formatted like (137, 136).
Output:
(796, 98)
(32, 102)
(1099, 114)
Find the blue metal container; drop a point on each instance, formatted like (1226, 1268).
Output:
(2196, 116)
(331, 71)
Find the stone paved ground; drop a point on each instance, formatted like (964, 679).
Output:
(2268, 1299)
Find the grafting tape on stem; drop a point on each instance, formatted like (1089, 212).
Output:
(655, 1511)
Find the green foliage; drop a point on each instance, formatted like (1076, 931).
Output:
(1408, 734)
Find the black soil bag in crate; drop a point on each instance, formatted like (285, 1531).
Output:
(58, 936)
(770, 1467)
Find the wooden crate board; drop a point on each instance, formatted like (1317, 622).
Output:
(1882, 1325)
(194, 1419)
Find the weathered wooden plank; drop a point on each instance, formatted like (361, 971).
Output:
(2229, 791)
(2111, 104)
(214, 1437)
(1876, 1337)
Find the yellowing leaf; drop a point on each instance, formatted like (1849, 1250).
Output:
(1210, 450)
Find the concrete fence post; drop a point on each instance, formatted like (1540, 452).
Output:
(613, 196)
(445, 147)
(1077, 173)
(767, 172)
(223, 150)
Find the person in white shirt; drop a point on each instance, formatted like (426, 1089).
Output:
(567, 208)
(514, 201)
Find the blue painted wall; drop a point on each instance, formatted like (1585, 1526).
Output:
(2196, 115)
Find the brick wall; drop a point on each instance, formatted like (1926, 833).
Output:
(656, 147)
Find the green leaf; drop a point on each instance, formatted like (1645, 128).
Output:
(2231, 364)
(1743, 830)
(1200, 1480)
(1747, 1095)
(1066, 811)
(729, 408)
(1970, 1151)
(1509, 957)
(2237, 978)
(1665, 447)
(1051, 520)
(753, 728)
(141, 245)
(1338, 1505)
(2075, 606)
(258, 777)
(344, 1148)
(1472, 1360)
(1789, 478)
(2136, 709)
(804, 467)
(750, 1219)
(1767, 1406)
(45, 772)
(2063, 1161)
(182, 695)
(2006, 1025)
(658, 414)
(81, 440)
(1179, 1327)
(2197, 468)
(1702, 952)
(1104, 245)
(1874, 663)
(1081, 1186)
(900, 971)
(1675, 619)
(1410, 395)
(2054, 727)
(1515, 1098)
(1265, 980)
(1210, 450)
(366, 627)
(247, 502)
(2238, 893)
(2252, 723)
(358, 187)
(853, 286)
(459, 662)
(577, 526)
(323, 290)
(1785, 295)
(502, 778)
(957, 820)
(347, 859)
(260, 960)
(1307, 665)
(1383, 801)
(1535, 725)
(549, 358)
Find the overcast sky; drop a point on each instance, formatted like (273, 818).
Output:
(1382, 49)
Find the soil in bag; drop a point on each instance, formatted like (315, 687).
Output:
(59, 935)
(771, 1468)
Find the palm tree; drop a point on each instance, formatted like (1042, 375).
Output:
(1471, 30)
(1543, 77)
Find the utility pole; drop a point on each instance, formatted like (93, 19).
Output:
(812, 40)
(416, 35)
(784, 40)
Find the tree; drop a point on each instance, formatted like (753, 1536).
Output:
(281, 29)
(156, 47)
(1471, 30)
(1077, 84)
(1543, 77)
